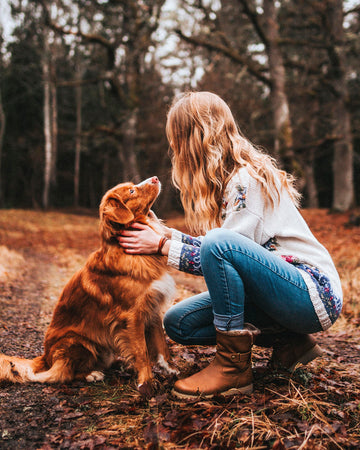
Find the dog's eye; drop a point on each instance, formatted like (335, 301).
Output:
(131, 191)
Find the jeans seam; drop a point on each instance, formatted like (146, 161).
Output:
(226, 294)
(264, 265)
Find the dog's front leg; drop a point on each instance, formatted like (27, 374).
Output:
(136, 330)
(157, 346)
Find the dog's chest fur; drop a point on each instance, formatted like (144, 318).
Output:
(129, 278)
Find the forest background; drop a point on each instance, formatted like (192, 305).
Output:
(85, 86)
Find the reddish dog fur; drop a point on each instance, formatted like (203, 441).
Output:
(111, 307)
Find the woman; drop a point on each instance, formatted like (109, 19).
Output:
(263, 267)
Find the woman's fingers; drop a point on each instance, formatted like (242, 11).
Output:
(140, 226)
(137, 226)
(140, 239)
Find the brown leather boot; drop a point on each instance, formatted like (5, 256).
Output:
(229, 372)
(290, 349)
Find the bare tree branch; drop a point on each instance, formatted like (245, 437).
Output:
(254, 19)
(356, 9)
(78, 82)
(254, 69)
(89, 37)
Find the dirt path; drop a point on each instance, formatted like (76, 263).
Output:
(30, 413)
(316, 407)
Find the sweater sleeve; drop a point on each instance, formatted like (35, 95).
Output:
(243, 208)
(184, 253)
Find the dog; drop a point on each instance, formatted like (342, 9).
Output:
(112, 306)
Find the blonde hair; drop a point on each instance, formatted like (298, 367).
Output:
(207, 149)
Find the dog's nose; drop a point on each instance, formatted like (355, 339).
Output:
(155, 180)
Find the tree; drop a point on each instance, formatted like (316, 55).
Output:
(78, 140)
(2, 121)
(22, 93)
(2, 132)
(343, 148)
(47, 127)
(316, 49)
(50, 114)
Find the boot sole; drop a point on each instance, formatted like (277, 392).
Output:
(232, 391)
(310, 355)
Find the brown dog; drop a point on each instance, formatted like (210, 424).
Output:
(111, 307)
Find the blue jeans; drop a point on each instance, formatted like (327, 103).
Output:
(246, 283)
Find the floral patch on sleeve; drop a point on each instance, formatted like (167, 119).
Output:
(190, 260)
(190, 240)
(223, 209)
(240, 199)
(238, 203)
(271, 245)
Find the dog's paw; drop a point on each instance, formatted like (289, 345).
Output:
(166, 366)
(95, 376)
(146, 389)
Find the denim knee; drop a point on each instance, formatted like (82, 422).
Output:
(169, 321)
(188, 326)
(213, 240)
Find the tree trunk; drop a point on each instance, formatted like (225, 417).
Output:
(78, 97)
(311, 188)
(309, 169)
(2, 133)
(281, 113)
(128, 156)
(54, 121)
(47, 130)
(343, 186)
(105, 172)
(343, 196)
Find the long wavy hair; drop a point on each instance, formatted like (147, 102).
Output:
(207, 148)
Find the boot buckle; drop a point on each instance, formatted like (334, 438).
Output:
(242, 360)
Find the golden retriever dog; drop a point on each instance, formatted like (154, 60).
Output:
(112, 306)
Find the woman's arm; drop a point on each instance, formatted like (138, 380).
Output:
(142, 239)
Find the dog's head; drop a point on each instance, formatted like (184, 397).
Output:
(125, 204)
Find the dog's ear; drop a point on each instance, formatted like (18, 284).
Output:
(114, 215)
(115, 210)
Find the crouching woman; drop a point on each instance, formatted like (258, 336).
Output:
(269, 280)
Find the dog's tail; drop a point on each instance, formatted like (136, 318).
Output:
(20, 370)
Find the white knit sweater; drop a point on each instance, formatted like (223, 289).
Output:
(281, 230)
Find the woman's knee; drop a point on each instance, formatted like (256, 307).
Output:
(220, 241)
(190, 322)
(214, 240)
(171, 321)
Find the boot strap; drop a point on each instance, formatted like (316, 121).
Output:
(240, 357)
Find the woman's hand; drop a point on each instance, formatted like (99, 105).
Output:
(141, 240)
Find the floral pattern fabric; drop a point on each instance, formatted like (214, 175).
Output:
(190, 260)
(190, 240)
(240, 199)
(238, 203)
(271, 245)
(331, 302)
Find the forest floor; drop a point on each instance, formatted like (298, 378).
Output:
(315, 407)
